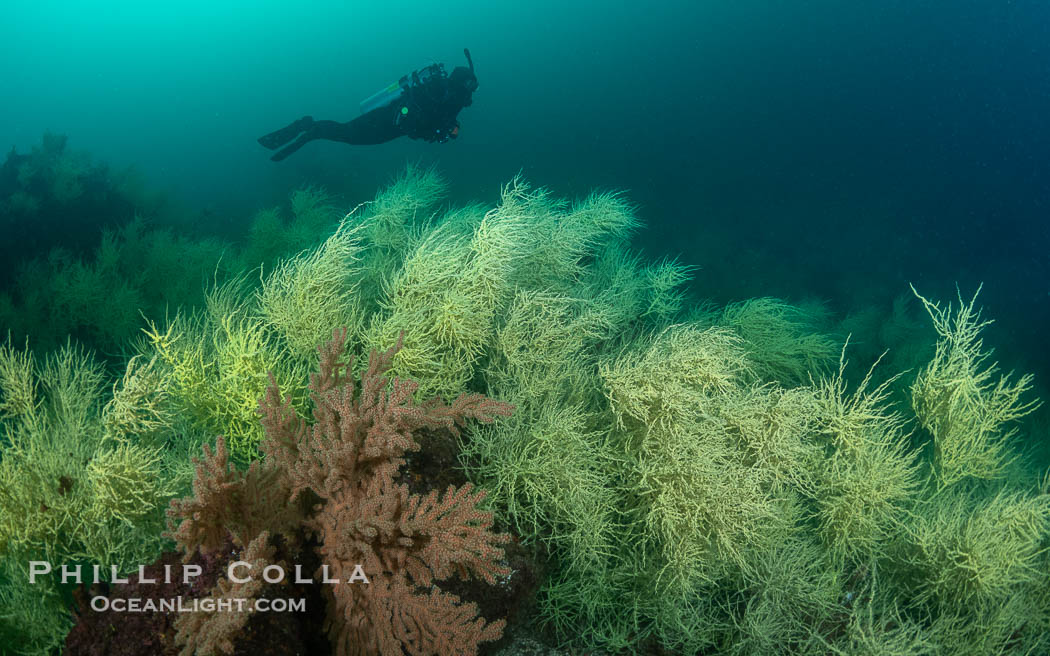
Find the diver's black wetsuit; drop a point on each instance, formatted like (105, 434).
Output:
(425, 107)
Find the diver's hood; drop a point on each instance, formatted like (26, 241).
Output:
(463, 78)
(463, 81)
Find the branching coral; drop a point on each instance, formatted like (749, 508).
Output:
(700, 505)
(307, 294)
(874, 630)
(783, 343)
(545, 346)
(272, 237)
(446, 296)
(868, 476)
(561, 239)
(336, 479)
(139, 407)
(665, 280)
(695, 479)
(213, 632)
(69, 486)
(393, 221)
(100, 299)
(396, 211)
(663, 383)
(959, 401)
(545, 470)
(691, 485)
(794, 590)
(216, 365)
(967, 550)
(33, 618)
(73, 486)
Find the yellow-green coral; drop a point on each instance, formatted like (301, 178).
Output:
(772, 430)
(696, 479)
(545, 346)
(663, 383)
(544, 468)
(967, 549)
(444, 326)
(559, 240)
(273, 235)
(445, 298)
(881, 629)
(794, 589)
(783, 341)
(218, 365)
(868, 476)
(308, 294)
(703, 505)
(395, 213)
(64, 476)
(958, 399)
(139, 408)
(75, 482)
(34, 619)
(100, 300)
(664, 280)
(17, 382)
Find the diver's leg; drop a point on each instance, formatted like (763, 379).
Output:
(376, 127)
(280, 137)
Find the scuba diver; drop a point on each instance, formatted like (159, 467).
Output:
(421, 105)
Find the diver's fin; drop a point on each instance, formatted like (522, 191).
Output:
(292, 147)
(280, 137)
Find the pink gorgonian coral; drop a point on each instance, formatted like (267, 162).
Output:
(331, 483)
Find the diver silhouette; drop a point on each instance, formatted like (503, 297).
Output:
(421, 105)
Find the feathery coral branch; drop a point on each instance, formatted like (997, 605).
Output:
(344, 463)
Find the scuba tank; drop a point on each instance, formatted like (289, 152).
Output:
(394, 91)
(384, 96)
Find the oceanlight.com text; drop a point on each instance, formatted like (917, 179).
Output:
(191, 605)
